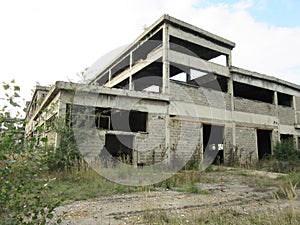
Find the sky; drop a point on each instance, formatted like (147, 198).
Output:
(42, 41)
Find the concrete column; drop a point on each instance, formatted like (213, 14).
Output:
(275, 98)
(234, 134)
(295, 109)
(109, 76)
(276, 104)
(188, 77)
(230, 91)
(130, 60)
(131, 87)
(167, 133)
(229, 60)
(165, 60)
(201, 148)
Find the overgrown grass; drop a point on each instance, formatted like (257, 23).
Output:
(74, 185)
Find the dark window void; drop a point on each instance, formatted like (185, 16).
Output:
(214, 82)
(263, 143)
(198, 78)
(284, 99)
(121, 120)
(149, 79)
(103, 79)
(123, 85)
(141, 53)
(192, 49)
(120, 147)
(120, 67)
(213, 147)
(102, 118)
(252, 92)
(286, 137)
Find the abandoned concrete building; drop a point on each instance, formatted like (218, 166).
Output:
(174, 89)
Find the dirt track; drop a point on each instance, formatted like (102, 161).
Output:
(230, 191)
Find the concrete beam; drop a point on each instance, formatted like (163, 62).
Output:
(201, 32)
(197, 63)
(215, 114)
(198, 40)
(129, 50)
(135, 68)
(264, 81)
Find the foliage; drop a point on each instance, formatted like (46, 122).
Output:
(286, 150)
(67, 155)
(22, 168)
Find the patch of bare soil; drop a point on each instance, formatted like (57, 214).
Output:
(230, 191)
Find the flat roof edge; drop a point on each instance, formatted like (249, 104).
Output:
(263, 77)
(199, 30)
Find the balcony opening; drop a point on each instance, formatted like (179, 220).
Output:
(252, 92)
(284, 99)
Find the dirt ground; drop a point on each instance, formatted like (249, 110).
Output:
(235, 192)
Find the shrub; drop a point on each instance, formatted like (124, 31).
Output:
(22, 165)
(286, 150)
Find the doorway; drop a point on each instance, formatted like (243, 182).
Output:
(213, 147)
(120, 147)
(264, 143)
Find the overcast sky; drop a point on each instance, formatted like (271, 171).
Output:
(44, 41)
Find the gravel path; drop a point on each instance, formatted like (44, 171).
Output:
(229, 192)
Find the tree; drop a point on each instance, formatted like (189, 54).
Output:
(22, 168)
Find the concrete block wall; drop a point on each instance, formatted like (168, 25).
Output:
(228, 142)
(246, 142)
(185, 139)
(256, 107)
(151, 145)
(286, 115)
(297, 101)
(200, 96)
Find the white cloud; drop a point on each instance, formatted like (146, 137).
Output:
(51, 40)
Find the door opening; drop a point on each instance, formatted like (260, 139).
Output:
(120, 147)
(264, 143)
(213, 147)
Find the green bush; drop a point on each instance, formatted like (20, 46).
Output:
(67, 156)
(22, 165)
(285, 150)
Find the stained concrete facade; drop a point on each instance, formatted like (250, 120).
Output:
(179, 95)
